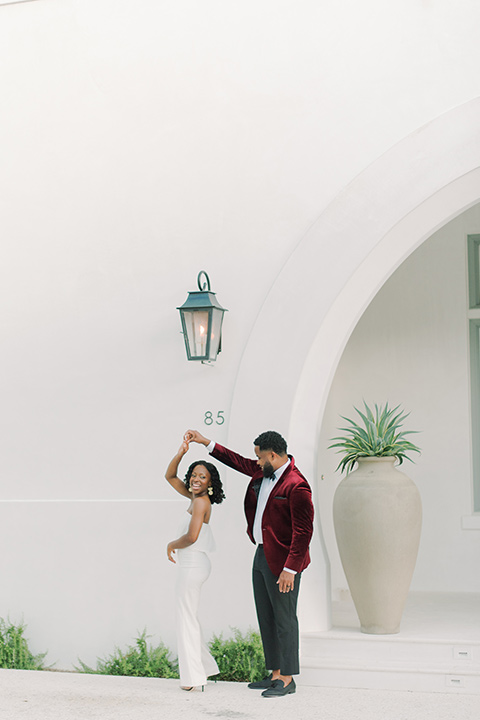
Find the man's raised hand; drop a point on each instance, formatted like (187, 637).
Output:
(195, 436)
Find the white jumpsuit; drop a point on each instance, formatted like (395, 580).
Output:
(193, 568)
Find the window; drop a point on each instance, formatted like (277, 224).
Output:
(474, 323)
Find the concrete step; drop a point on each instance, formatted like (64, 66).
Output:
(401, 678)
(386, 648)
(352, 659)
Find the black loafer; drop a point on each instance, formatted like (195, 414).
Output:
(261, 684)
(278, 689)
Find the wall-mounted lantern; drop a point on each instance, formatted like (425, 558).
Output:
(202, 318)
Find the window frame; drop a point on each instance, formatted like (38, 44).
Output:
(473, 265)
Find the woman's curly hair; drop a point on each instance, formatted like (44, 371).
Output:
(218, 494)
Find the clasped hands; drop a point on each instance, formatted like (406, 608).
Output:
(191, 436)
(195, 436)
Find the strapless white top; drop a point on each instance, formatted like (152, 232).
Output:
(205, 541)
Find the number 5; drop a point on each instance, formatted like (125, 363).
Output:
(220, 418)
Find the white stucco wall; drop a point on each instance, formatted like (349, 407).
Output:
(142, 142)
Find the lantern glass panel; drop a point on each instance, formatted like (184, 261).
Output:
(196, 327)
(216, 333)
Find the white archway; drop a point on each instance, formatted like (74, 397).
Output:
(333, 274)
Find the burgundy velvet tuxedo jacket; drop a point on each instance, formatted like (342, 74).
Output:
(287, 522)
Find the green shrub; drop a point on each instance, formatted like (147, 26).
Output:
(239, 659)
(139, 661)
(14, 651)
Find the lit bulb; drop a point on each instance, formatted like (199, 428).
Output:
(201, 343)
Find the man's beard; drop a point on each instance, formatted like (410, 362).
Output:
(267, 470)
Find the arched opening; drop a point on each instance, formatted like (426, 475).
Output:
(412, 347)
(327, 349)
(334, 273)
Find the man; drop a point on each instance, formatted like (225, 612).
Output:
(279, 512)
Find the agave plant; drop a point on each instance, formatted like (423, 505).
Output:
(380, 436)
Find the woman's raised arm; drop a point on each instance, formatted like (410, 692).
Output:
(172, 469)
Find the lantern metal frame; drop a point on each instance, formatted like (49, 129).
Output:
(202, 317)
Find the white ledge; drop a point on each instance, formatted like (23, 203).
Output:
(13, 2)
(471, 522)
(91, 500)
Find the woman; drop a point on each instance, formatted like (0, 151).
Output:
(202, 486)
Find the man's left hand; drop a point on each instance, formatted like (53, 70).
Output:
(285, 581)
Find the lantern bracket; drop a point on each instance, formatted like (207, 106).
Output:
(206, 285)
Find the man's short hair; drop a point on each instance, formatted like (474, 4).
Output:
(271, 440)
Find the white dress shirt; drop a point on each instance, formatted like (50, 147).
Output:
(263, 494)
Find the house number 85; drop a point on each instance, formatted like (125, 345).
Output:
(209, 419)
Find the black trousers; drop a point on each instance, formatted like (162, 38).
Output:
(277, 617)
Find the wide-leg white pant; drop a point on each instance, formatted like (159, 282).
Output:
(194, 659)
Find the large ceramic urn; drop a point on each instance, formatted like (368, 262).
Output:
(377, 514)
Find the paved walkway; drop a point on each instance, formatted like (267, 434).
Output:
(29, 695)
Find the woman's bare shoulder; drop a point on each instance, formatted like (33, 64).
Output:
(201, 502)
